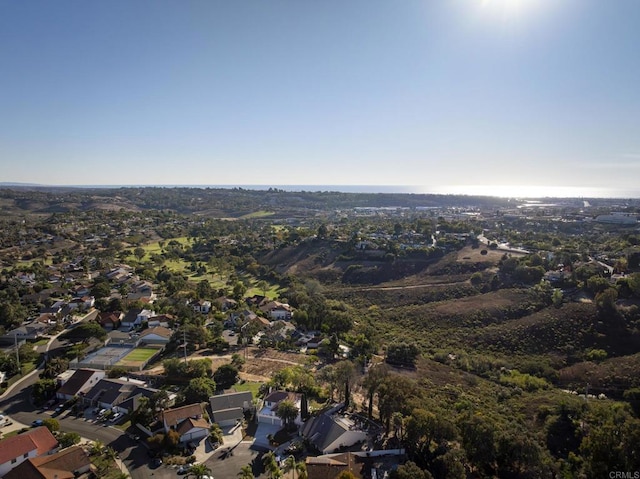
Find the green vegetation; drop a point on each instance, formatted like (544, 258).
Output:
(477, 355)
(140, 354)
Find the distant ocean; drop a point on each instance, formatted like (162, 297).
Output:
(502, 191)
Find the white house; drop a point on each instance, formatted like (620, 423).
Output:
(201, 306)
(157, 335)
(15, 450)
(81, 381)
(187, 420)
(267, 413)
(277, 310)
(135, 317)
(330, 432)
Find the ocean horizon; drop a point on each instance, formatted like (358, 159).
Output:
(500, 191)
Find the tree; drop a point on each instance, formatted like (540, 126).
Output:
(246, 472)
(290, 465)
(67, 439)
(395, 394)
(54, 366)
(239, 289)
(346, 475)
(606, 302)
(43, 390)
(199, 390)
(374, 378)
(271, 465)
(403, 354)
(139, 253)
(410, 471)
(203, 290)
(301, 469)
(87, 330)
(199, 471)
(328, 375)
(117, 372)
(263, 286)
(345, 373)
(52, 424)
(226, 376)
(287, 411)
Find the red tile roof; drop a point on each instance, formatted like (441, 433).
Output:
(39, 439)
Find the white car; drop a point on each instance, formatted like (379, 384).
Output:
(116, 416)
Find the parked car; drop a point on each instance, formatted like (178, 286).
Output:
(156, 462)
(116, 417)
(184, 469)
(37, 422)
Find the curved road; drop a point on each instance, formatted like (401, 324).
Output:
(16, 403)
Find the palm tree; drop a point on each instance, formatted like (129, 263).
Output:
(246, 472)
(96, 448)
(301, 469)
(270, 464)
(287, 411)
(290, 465)
(199, 471)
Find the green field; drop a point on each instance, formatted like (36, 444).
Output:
(217, 279)
(139, 355)
(254, 387)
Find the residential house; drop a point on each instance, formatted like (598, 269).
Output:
(201, 306)
(55, 308)
(362, 464)
(241, 318)
(330, 431)
(134, 401)
(277, 310)
(268, 412)
(81, 381)
(116, 394)
(26, 278)
(187, 420)
(227, 409)
(142, 291)
(122, 339)
(164, 320)
(256, 300)
(80, 290)
(49, 319)
(135, 317)
(110, 321)
(20, 334)
(15, 450)
(156, 335)
(330, 466)
(66, 464)
(82, 304)
(225, 304)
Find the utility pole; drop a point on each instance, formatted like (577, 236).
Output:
(15, 340)
(184, 342)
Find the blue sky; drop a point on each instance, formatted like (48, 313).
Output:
(430, 92)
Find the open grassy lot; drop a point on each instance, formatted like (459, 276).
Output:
(137, 357)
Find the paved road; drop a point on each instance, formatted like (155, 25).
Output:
(17, 405)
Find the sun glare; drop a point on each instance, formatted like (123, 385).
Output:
(509, 10)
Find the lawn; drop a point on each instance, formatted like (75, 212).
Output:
(140, 354)
(258, 214)
(252, 386)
